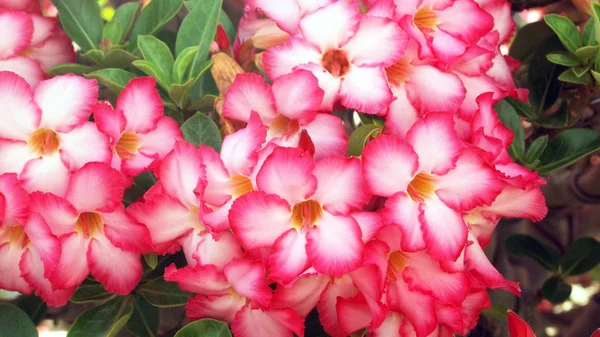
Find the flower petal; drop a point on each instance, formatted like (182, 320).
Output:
(36, 172)
(58, 213)
(366, 90)
(271, 323)
(141, 105)
(281, 60)
(403, 212)
(119, 278)
(11, 280)
(17, 30)
(205, 280)
(239, 151)
(218, 251)
(106, 183)
(444, 229)
(401, 115)
(109, 121)
(19, 115)
(248, 93)
(517, 203)
(181, 171)
(341, 187)
(45, 243)
(298, 96)
(328, 136)
(332, 26)
(517, 327)
(302, 296)
(248, 279)
(32, 269)
(15, 201)
(15, 155)
(124, 232)
(376, 33)
(288, 259)
(96, 150)
(403, 300)
(25, 67)
(72, 268)
(430, 90)
(222, 307)
(286, 13)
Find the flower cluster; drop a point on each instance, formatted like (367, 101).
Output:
(32, 43)
(281, 221)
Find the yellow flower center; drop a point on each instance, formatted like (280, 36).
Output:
(284, 126)
(44, 142)
(398, 73)
(89, 224)
(240, 185)
(397, 261)
(128, 145)
(426, 20)
(421, 187)
(14, 235)
(305, 214)
(335, 61)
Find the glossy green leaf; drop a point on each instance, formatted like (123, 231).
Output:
(205, 328)
(568, 147)
(542, 77)
(558, 119)
(528, 246)
(509, 117)
(112, 78)
(588, 35)
(82, 21)
(181, 93)
(118, 27)
(95, 55)
(536, 148)
(145, 320)
(563, 58)
(596, 18)
(33, 306)
(14, 322)
(198, 29)
(523, 109)
(70, 68)
(566, 31)
(90, 293)
(587, 53)
(360, 137)
(168, 37)
(582, 71)
(555, 290)
(182, 63)
(158, 53)
(570, 76)
(153, 70)
(119, 58)
(154, 16)
(224, 20)
(204, 104)
(529, 39)
(200, 129)
(161, 293)
(596, 77)
(105, 320)
(151, 260)
(581, 256)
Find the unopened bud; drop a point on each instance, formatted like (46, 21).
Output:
(224, 69)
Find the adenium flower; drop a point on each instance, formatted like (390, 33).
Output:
(140, 134)
(287, 107)
(429, 181)
(517, 327)
(45, 135)
(94, 224)
(338, 45)
(308, 211)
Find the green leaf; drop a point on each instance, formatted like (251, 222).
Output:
(200, 129)
(14, 322)
(145, 320)
(586, 53)
(157, 14)
(581, 256)
(33, 306)
(151, 260)
(568, 147)
(566, 31)
(596, 77)
(161, 293)
(563, 58)
(596, 18)
(228, 26)
(205, 328)
(570, 76)
(199, 29)
(90, 293)
(158, 53)
(588, 34)
(528, 246)
(153, 70)
(360, 137)
(509, 117)
(536, 148)
(204, 104)
(118, 27)
(119, 58)
(523, 109)
(181, 93)
(114, 79)
(555, 290)
(559, 119)
(105, 320)
(82, 21)
(182, 63)
(542, 77)
(95, 55)
(582, 71)
(529, 38)
(168, 37)
(70, 68)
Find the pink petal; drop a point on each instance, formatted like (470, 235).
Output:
(119, 278)
(517, 327)
(141, 105)
(353, 314)
(475, 302)
(328, 135)
(431, 90)
(287, 172)
(109, 121)
(43, 28)
(239, 151)
(181, 171)
(298, 96)
(25, 67)
(286, 13)
(389, 164)
(19, 116)
(376, 33)
(272, 323)
(517, 203)
(46, 244)
(72, 268)
(55, 50)
(369, 222)
(457, 188)
(444, 230)
(465, 20)
(58, 213)
(223, 308)
(11, 280)
(366, 90)
(248, 214)
(402, 115)
(15, 155)
(390, 326)
(339, 287)
(364, 278)
(341, 187)
(103, 180)
(403, 212)
(161, 140)
(205, 280)
(334, 246)
(332, 26)
(15, 201)
(36, 172)
(124, 232)
(436, 143)
(219, 251)
(32, 269)
(248, 93)
(218, 186)
(329, 83)
(17, 29)
(302, 296)
(403, 300)
(248, 279)
(288, 259)
(281, 60)
(66, 101)
(96, 150)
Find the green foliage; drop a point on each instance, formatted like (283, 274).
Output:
(161, 293)
(114, 79)
(14, 322)
(528, 246)
(581, 256)
(563, 58)
(158, 60)
(361, 136)
(536, 149)
(200, 129)
(556, 290)
(155, 16)
(120, 25)
(509, 117)
(33, 306)
(205, 328)
(82, 21)
(568, 147)
(145, 319)
(565, 30)
(105, 320)
(90, 293)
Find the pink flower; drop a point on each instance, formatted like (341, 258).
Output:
(308, 205)
(140, 134)
(287, 107)
(338, 45)
(239, 295)
(429, 179)
(91, 220)
(32, 43)
(45, 135)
